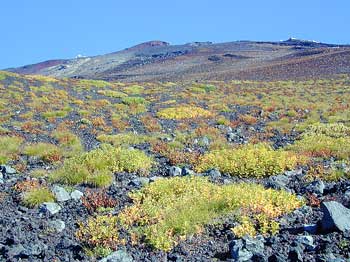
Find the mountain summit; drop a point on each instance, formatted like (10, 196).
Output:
(161, 61)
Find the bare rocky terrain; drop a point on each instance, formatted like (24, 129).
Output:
(160, 61)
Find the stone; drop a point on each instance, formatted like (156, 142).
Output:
(316, 187)
(346, 194)
(205, 141)
(295, 254)
(307, 241)
(57, 225)
(214, 173)
(175, 171)
(15, 250)
(155, 178)
(245, 249)
(187, 172)
(335, 216)
(312, 228)
(118, 256)
(278, 182)
(7, 170)
(140, 181)
(76, 195)
(60, 193)
(50, 208)
(33, 250)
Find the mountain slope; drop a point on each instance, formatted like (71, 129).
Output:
(160, 61)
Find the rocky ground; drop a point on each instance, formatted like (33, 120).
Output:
(318, 231)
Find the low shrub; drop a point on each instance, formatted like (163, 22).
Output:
(335, 130)
(258, 160)
(97, 166)
(44, 151)
(9, 148)
(37, 196)
(169, 210)
(68, 142)
(182, 112)
(320, 145)
(99, 231)
(93, 200)
(124, 139)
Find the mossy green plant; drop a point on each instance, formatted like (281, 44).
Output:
(9, 148)
(44, 151)
(37, 196)
(182, 112)
(97, 166)
(258, 160)
(169, 210)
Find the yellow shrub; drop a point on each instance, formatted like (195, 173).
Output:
(258, 160)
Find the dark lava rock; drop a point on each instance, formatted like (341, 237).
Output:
(213, 173)
(175, 171)
(247, 248)
(118, 256)
(317, 187)
(335, 216)
(7, 170)
(187, 172)
(50, 208)
(278, 182)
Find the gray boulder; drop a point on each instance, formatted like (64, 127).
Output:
(118, 256)
(60, 193)
(335, 216)
(187, 172)
(245, 249)
(76, 195)
(50, 208)
(56, 225)
(7, 170)
(214, 173)
(278, 182)
(175, 171)
(316, 187)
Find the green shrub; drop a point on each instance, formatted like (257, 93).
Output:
(9, 148)
(182, 112)
(44, 151)
(134, 89)
(134, 100)
(99, 232)
(69, 143)
(54, 114)
(168, 210)
(320, 145)
(123, 139)
(258, 160)
(37, 196)
(97, 166)
(335, 130)
(112, 93)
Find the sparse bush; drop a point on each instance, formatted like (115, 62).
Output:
(182, 112)
(97, 166)
(168, 210)
(258, 160)
(99, 231)
(320, 145)
(98, 199)
(124, 139)
(335, 130)
(37, 196)
(44, 151)
(9, 148)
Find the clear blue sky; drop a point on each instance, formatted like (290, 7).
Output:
(37, 30)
